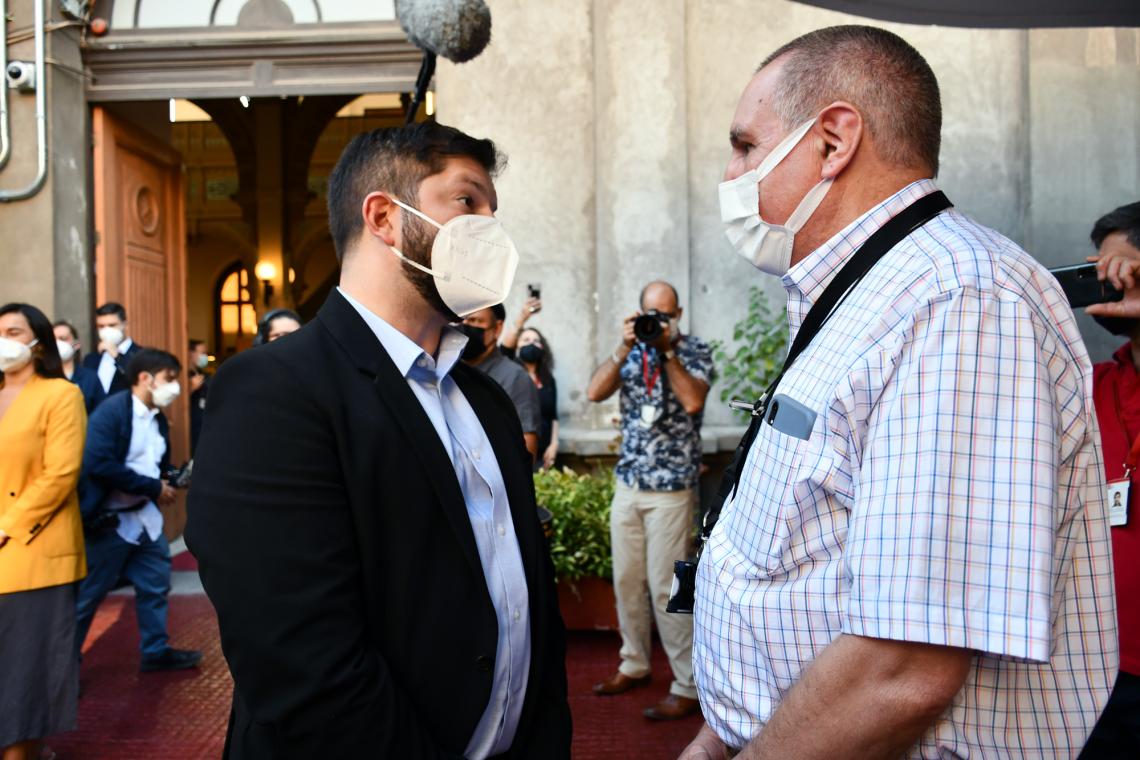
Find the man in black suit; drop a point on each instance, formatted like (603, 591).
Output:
(363, 512)
(115, 349)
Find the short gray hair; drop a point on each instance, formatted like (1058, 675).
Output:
(874, 70)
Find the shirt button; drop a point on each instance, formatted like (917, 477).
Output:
(421, 362)
(518, 615)
(502, 531)
(477, 456)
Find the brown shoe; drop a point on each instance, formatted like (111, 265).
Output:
(619, 683)
(673, 707)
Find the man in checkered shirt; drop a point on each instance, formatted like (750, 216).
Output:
(927, 573)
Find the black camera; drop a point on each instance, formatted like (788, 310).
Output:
(179, 477)
(649, 326)
(684, 589)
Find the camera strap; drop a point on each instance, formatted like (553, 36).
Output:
(873, 249)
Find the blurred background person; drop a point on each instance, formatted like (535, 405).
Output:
(115, 348)
(42, 424)
(483, 329)
(67, 341)
(128, 450)
(534, 354)
(1116, 394)
(515, 336)
(199, 361)
(275, 324)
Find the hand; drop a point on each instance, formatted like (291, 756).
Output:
(1129, 308)
(705, 746)
(628, 338)
(549, 456)
(168, 495)
(1119, 265)
(530, 307)
(665, 342)
(109, 348)
(196, 382)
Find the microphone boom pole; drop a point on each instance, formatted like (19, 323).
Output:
(427, 71)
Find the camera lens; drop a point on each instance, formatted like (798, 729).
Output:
(647, 328)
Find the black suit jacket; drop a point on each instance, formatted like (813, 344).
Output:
(334, 541)
(119, 382)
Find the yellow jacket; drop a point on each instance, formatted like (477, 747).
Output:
(41, 451)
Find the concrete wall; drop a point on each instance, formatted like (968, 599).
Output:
(616, 118)
(45, 240)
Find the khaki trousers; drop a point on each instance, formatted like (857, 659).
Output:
(649, 530)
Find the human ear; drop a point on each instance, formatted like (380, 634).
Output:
(841, 128)
(380, 218)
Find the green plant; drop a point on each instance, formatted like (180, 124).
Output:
(761, 341)
(580, 546)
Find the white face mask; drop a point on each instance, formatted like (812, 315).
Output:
(14, 354)
(164, 395)
(66, 350)
(112, 335)
(767, 246)
(473, 261)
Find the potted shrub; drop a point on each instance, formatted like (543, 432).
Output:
(580, 545)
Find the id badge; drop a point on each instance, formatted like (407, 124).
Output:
(649, 415)
(1118, 502)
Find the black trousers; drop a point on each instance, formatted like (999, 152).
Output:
(1117, 733)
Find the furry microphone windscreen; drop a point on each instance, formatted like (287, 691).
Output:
(458, 30)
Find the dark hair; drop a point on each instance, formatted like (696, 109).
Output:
(500, 312)
(195, 342)
(45, 354)
(74, 336)
(395, 160)
(263, 326)
(546, 366)
(1125, 219)
(112, 308)
(874, 70)
(152, 361)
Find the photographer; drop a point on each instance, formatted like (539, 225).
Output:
(128, 450)
(664, 377)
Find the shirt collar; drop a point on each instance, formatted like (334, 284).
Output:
(125, 345)
(141, 410)
(812, 275)
(405, 353)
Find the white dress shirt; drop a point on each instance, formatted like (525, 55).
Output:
(950, 493)
(107, 367)
(485, 494)
(145, 458)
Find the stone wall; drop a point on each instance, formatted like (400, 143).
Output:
(615, 117)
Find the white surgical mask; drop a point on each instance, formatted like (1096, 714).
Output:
(164, 395)
(15, 354)
(768, 247)
(473, 261)
(66, 350)
(112, 335)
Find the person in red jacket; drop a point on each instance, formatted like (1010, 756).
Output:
(1116, 393)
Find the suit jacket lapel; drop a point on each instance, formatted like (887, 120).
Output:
(366, 351)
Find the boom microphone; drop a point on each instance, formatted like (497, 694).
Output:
(456, 29)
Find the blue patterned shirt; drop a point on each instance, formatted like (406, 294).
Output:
(663, 454)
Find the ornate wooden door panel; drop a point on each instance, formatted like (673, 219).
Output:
(140, 254)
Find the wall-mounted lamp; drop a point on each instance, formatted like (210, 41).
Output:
(266, 272)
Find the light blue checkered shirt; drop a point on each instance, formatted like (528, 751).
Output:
(951, 493)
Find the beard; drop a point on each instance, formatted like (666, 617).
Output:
(418, 241)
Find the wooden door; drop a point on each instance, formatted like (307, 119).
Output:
(140, 253)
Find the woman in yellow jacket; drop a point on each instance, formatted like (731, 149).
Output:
(42, 428)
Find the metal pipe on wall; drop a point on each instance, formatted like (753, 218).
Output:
(7, 196)
(5, 134)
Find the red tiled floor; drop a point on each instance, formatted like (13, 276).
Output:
(125, 715)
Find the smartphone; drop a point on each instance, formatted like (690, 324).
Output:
(533, 290)
(1082, 288)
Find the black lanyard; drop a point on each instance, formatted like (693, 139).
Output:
(873, 249)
